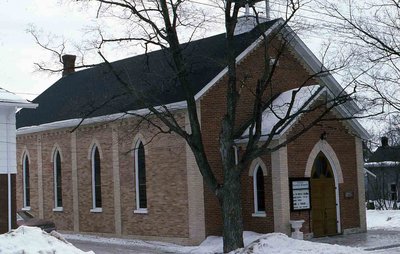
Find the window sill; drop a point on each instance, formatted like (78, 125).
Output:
(259, 214)
(58, 209)
(96, 210)
(141, 211)
(28, 208)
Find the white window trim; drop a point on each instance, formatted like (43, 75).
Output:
(257, 213)
(138, 208)
(25, 207)
(94, 209)
(56, 208)
(141, 211)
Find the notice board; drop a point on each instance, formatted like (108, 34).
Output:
(300, 194)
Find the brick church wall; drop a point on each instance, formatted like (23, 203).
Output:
(288, 75)
(343, 143)
(165, 176)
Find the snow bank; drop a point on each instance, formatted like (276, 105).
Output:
(29, 240)
(383, 219)
(277, 243)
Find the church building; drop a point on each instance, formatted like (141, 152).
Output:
(88, 161)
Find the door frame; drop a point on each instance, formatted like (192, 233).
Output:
(327, 150)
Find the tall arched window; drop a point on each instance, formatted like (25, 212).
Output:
(96, 180)
(57, 180)
(26, 185)
(140, 172)
(259, 190)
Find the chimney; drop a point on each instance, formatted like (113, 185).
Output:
(69, 64)
(385, 141)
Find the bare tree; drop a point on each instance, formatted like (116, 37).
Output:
(158, 23)
(370, 31)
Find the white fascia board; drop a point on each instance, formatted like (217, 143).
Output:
(316, 66)
(354, 123)
(238, 59)
(93, 120)
(19, 104)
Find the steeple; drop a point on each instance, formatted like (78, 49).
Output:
(248, 21)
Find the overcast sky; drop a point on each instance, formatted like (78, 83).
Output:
(18, 51)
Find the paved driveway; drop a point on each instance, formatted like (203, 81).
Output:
(107, 248)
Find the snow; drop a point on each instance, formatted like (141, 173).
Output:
(33, 240)
(383, 219)
(278, 243)
(274, 243)
(29, 240)
(382, 164)
(280, 108)
(7, 96)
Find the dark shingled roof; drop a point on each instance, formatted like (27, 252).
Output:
(385, 153)
(97, 92)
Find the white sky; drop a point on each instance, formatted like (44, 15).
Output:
(18, 51)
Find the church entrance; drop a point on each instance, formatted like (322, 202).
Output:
(323, 198)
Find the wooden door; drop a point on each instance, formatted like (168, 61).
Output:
(323, 198)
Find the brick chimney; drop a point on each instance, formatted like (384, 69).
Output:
(69, 64)
(385, 141)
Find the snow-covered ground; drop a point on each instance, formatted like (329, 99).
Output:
(33, 240)
(383, 219)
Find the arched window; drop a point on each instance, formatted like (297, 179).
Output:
(57, 180)
(140, 172)
(259, 190)
(322, 167)
(26, 185)
(96, 180)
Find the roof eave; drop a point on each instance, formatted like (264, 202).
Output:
(316, 66)
(19, 104)
(93, 120)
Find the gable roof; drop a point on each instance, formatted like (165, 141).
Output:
(96, 95)
(97, 92)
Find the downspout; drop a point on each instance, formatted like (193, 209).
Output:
(9, 200)
(8, 177)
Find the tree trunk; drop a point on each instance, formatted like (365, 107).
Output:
(231, 206)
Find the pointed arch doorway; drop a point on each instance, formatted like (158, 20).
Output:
(323, 197)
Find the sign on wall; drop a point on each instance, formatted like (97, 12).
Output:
(299, 194)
